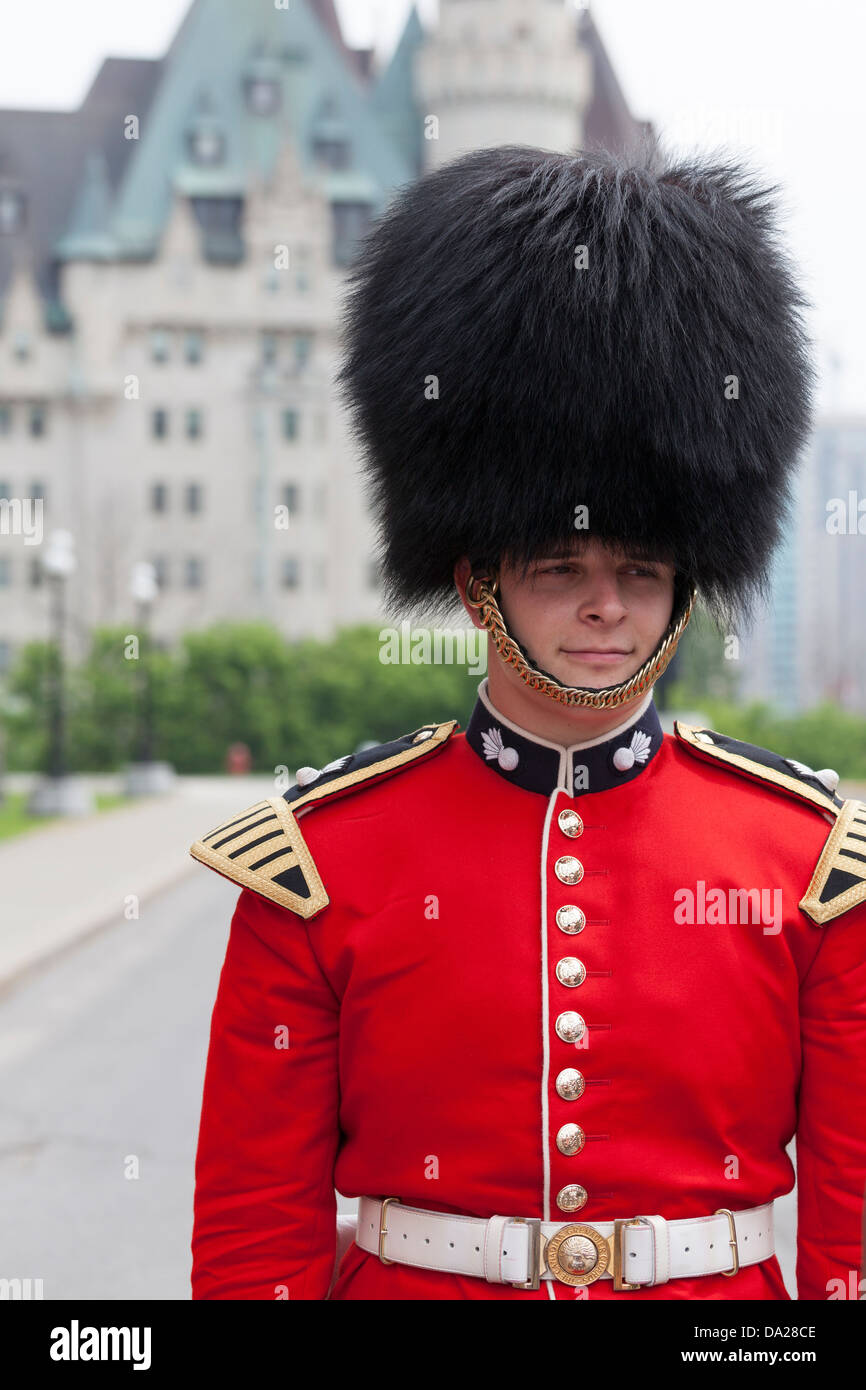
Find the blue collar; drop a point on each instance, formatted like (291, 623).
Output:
(537, 765)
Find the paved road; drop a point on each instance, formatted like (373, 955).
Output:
(102, 1055)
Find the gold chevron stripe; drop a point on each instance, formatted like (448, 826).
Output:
(243, 837)
(236, 821)
(834, 856)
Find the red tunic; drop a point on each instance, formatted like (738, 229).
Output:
(420, 1006)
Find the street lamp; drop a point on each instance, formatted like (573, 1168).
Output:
(144, 776)
(58, 794)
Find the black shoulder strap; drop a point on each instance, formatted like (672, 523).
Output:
(759, 764)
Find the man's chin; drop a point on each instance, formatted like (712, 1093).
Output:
(592, 673)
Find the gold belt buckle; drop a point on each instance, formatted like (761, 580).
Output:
(570, 1250)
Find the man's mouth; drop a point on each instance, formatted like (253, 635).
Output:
(606, 656)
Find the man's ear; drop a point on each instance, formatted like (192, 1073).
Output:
(462, 571)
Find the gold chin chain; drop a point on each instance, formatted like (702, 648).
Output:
(480, 593)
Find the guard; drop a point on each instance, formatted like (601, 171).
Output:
(552, 993)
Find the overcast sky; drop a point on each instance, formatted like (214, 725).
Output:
(778, 80)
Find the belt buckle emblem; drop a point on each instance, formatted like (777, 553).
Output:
(578, 1254)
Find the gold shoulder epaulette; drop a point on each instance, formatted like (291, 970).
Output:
(839, 880)
(262, 848)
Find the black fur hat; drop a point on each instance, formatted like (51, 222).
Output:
(499, 377)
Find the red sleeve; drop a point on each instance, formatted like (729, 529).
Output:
(831, 1131)
(265, 1210)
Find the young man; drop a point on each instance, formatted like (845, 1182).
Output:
(552, 994)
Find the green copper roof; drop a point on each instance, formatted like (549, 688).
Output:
(220, 45)
(89, 233)
(393, 98)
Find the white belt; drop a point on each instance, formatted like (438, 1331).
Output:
(637, 1252)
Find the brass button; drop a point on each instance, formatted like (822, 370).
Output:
(570, 824)
(570, 1083)
(568, 869)
(570, 971)
(572, 1197)
(570, 919)
(570, 1139)
(570, 1027)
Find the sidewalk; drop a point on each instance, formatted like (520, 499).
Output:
(71, 877)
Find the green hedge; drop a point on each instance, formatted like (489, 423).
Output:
(292, 703)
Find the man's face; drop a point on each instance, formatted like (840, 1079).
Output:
(592, 616)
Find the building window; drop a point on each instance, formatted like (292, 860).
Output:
(332, 152)
(206, 143)
(37, 574)
(350, 222)
(194, 497)
(193, 572)
(160, 569)
(37, 420)
(290, 424)
(291, 499)
(291, 575)
(220, 216)
(159, 424)
(11, 211)
(159, 345)
(303, 348)
(22, 344)
(263, 95)
(159, 498)
(5, 572)
(270, 343)
(193, 424)
(303, 279)
(193, 349)
(37, 490)
(5, 490)
(257, 496)
(5, 419)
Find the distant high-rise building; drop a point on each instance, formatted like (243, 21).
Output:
(808, 643)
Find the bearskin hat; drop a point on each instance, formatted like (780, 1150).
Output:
(527, 333)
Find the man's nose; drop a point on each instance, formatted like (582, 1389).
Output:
(601, 599)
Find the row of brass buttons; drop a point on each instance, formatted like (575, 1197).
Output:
(570, 1027)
